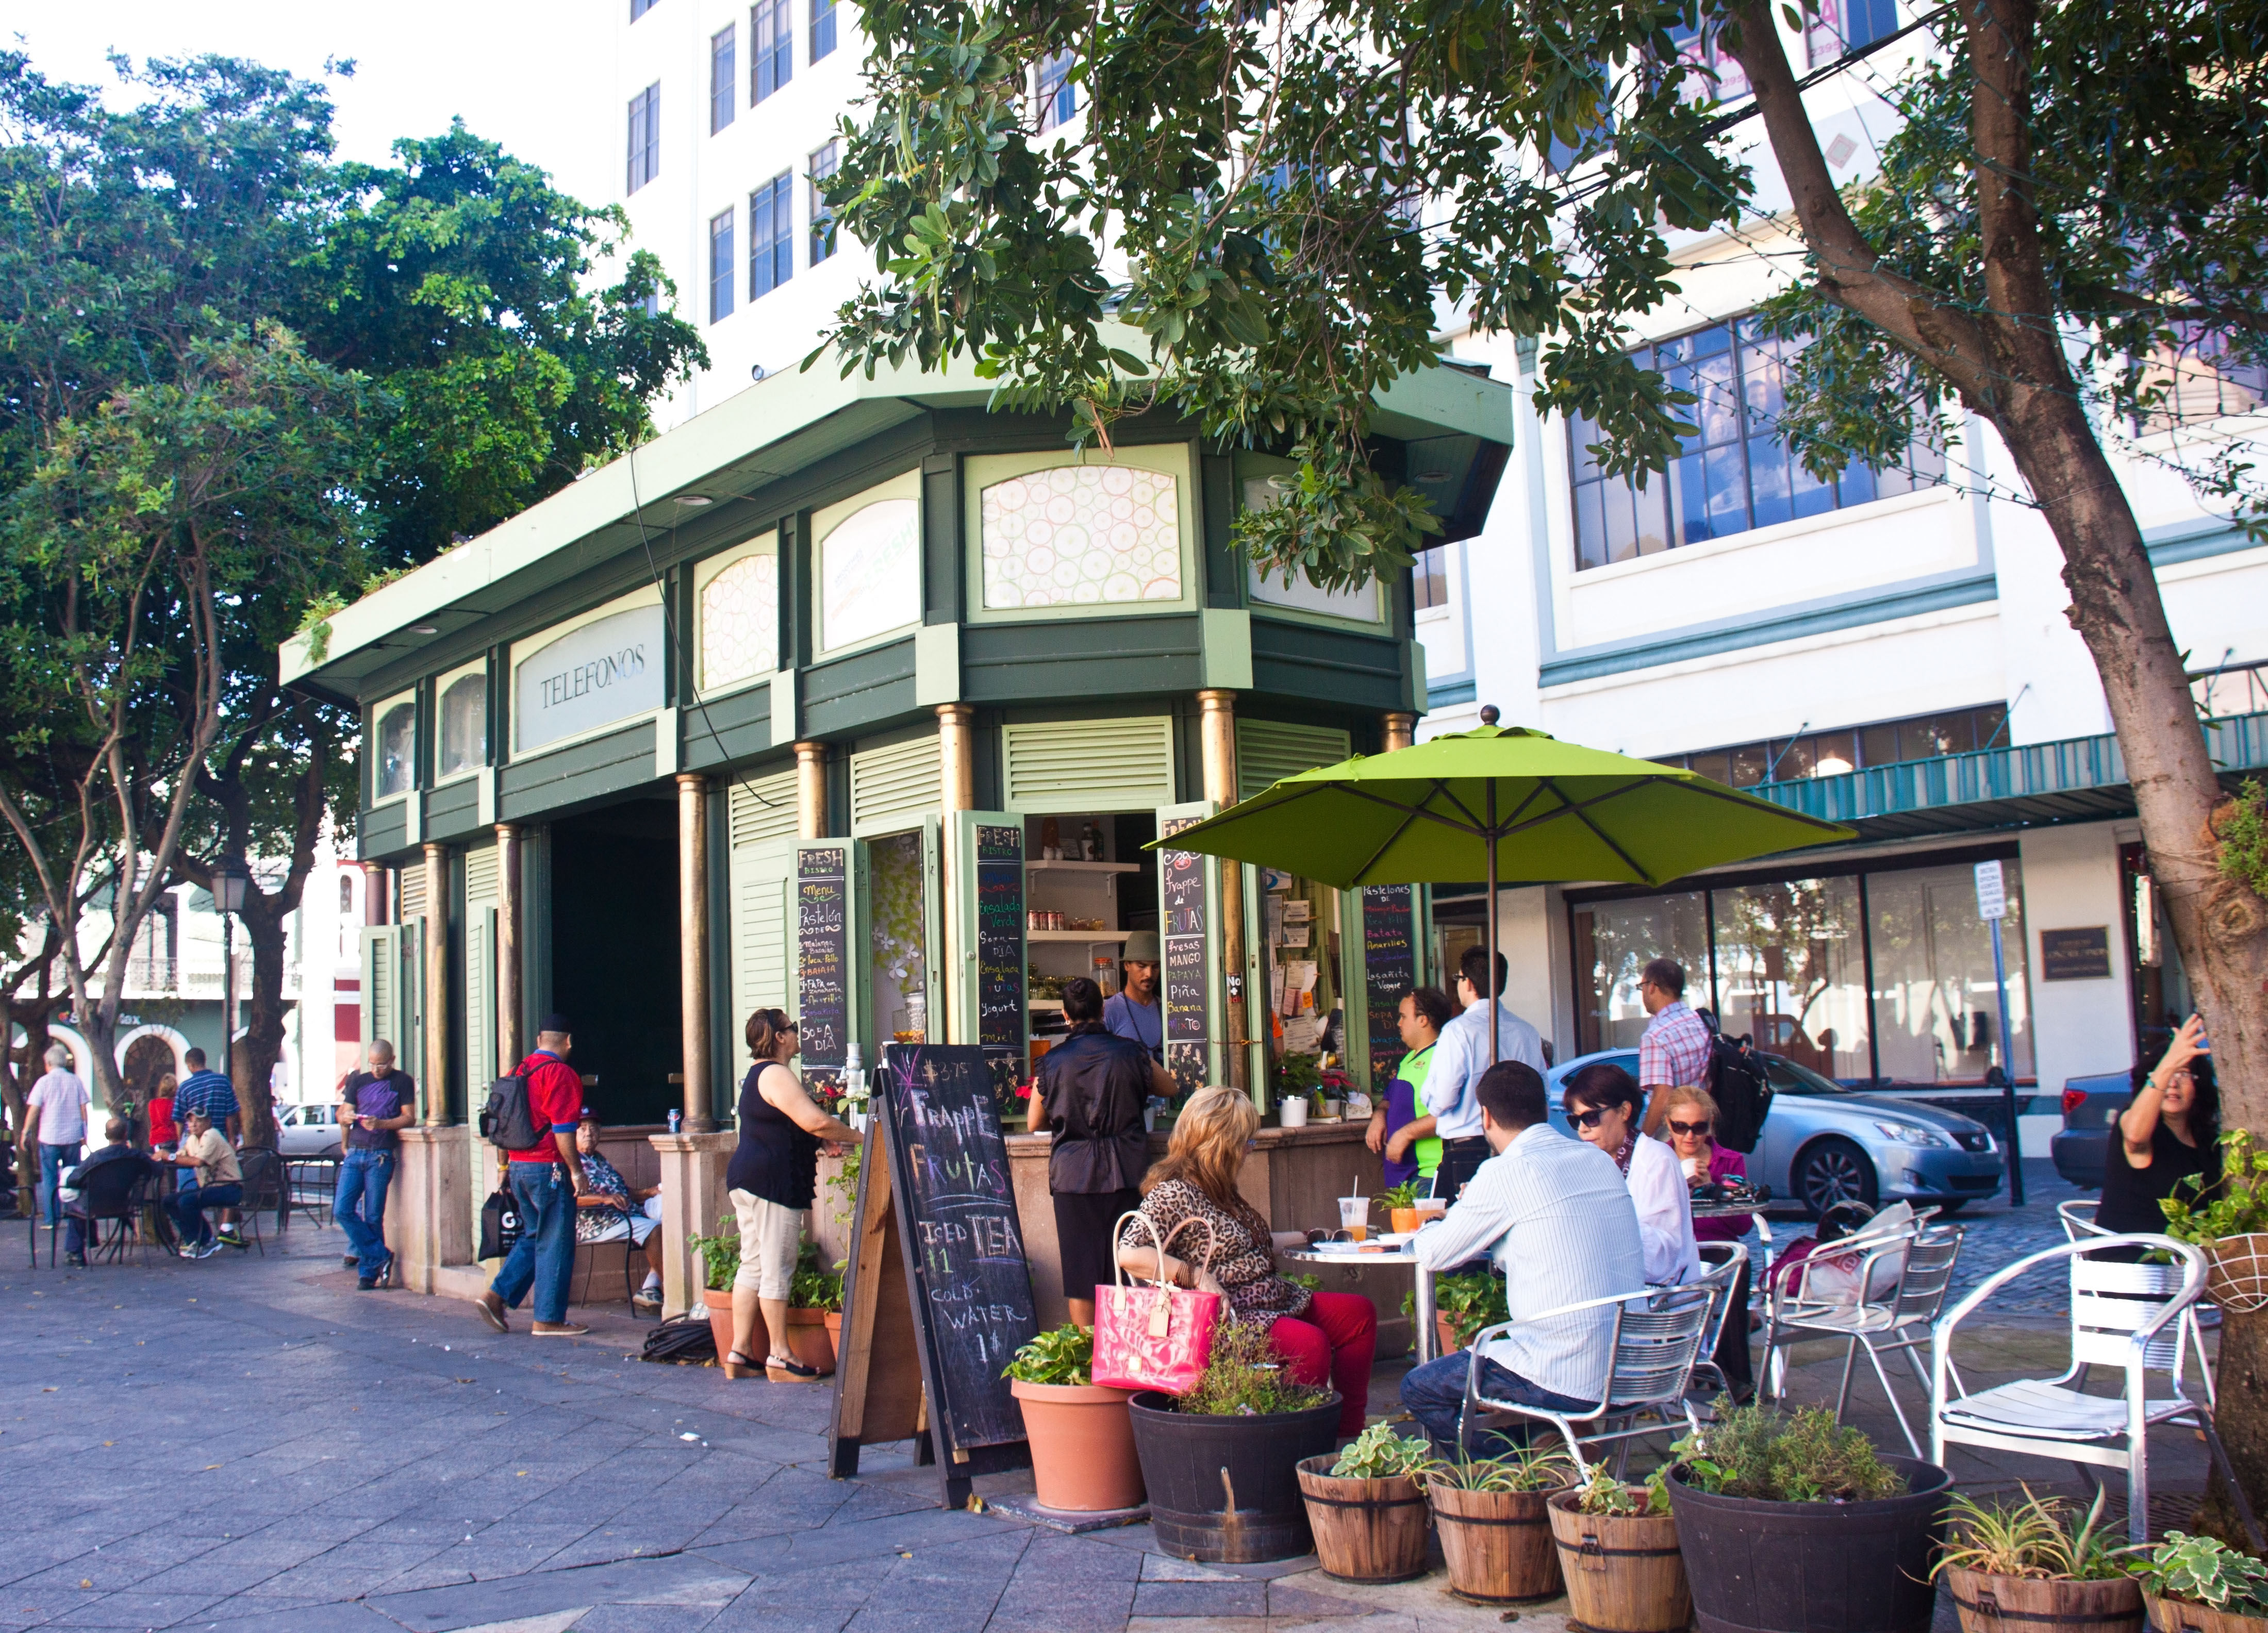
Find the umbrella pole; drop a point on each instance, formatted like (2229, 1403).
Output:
(1487, 925)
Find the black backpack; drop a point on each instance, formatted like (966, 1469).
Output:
(506, 1122)
(1741, 1086)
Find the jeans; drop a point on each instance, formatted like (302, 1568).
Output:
(54, 1162)
(544, 1256)
(1435, 1395)
(190, 1204)
(359, 1206)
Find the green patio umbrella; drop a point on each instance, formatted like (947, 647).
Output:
(1494, 801)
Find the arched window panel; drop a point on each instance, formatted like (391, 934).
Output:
(464, 724)
(1074, 534)
(397, 748)
(739, 622)
(870, 573)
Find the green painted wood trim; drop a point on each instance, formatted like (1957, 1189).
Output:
(1116, 764)
(1228, 648)
(936, 664)
(1268, 751)
(719, 730)
(943, 595)
(1223, 564)
(587, 770)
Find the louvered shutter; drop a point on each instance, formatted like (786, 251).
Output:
(1087, 765)
(1268, 751)
(893, 788)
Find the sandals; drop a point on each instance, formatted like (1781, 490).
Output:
(738, 1365)
(788, 1369)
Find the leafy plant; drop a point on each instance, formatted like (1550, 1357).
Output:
(1245, 1377)
(1402, 1195)
(1298, 1074)
(1526, 1468)
(813, 1288)
(1378, 1453)
(2241, 827)
(1307, 1279)
(1470, 1301)
(1772, 1456)
(2239, 1207)
(2208, 1572)
(720, 1254)
(2033, 1538)
(845, 1182)
(1606, 1495)
(1064, 1356)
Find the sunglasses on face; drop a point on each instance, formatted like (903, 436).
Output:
(1677, 1127)
(1588, 1119)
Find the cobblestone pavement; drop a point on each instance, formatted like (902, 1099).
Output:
(249, 1445)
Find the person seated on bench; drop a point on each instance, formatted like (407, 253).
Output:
(101, 1183)
(610, 1211)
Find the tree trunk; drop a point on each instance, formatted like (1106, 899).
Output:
(253, 1057)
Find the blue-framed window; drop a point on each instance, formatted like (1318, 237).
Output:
(1058, 92)
(824, 163)
(1845, 26)
(639, 8)
(720, 266)
(772, 38)
(1429, 578)
(644, 138)
(771, 235)
(822, 28)
(723, 76)
(1734, 473)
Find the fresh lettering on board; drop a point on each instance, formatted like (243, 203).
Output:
(1390, 968)
(822, 954)
(1188, 976)
(607, 670)
(1000, 936)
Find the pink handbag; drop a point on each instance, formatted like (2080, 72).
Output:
(1153, 1336)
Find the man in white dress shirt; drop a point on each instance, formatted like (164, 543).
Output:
(1555, 1215)
(1460, 1058)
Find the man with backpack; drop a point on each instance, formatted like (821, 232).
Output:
(1674, 1051)
(531, 1115)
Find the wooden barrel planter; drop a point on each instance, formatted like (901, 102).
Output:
(1625, 1572)
(1226, 1491)
(1997, 1603)
(1366, 1530)
(2183, 1615)
(1498, 1544)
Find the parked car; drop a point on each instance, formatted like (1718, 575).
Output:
(2090, 1105)
(1823, 1143)
(308, 1131)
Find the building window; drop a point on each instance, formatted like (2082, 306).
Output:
(1429, 579)
(870, 573)
(723, 76)
(824, 163)
(822, 28)
(644, 138)
(1082, 533)
(2197, 380)
(740, 621)
(771, 34)
(1058, 94)
(771, 236)
(1842, 27)
(464, 724)
(2230, 690)
(1832, 753)
(396, 759)
(1734, 473)
(720, 267)
(639, 8)
(1723, 79)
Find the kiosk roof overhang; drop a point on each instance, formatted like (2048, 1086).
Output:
(774, 429)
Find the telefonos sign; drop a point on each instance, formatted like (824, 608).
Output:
(607, 670)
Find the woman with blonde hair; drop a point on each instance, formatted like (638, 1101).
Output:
(1689, 1123)
(1324, 1338)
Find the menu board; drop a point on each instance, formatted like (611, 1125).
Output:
(1000, 935)
(1390, 968)
(1189, 964)
(963, 1243)
(823, 952)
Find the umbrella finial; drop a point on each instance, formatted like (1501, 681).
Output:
(1489, 715)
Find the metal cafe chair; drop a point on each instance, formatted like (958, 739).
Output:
(2117, 1309)
(1724, 1260)
(1930, 1264)
(2078, 1216)
(263, 1188)
(1871, 1312)
(1656, 1333)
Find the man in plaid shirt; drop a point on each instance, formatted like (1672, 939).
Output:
(1676, 1049)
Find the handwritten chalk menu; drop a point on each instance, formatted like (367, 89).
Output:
(1000, 935)
(1188, 962)
(963, 1246)
(1390, 968)
(823, 952)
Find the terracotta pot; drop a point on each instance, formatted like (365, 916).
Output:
(1993, 1604)
(1497, 1543)
(1445, 1331)
(810, 1340)
(1402, 1221)
(2183, 1615)
(1082, 1441)
(1625, 1572)
(1366, 1530)
(720, 1325)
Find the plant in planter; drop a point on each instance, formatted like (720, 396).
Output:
(1401, 1204)
(1082, 1443)
(2028, 1562)
(1617, 1548)
(720, 1262)
(1494, 1533)
(1789, 1521)
(1463, 1304)
(2232, 1228)
(2203, 1583)
(814, 1309)
(1220, 1461)
(1365, 1506)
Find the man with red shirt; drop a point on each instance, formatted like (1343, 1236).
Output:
(546, 1179)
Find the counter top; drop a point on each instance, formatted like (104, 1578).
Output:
(1269, 1137)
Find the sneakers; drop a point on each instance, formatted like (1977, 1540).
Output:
(558, 1329)
(231, 1237)
(207, 1249)
(350, 1261)
(646, 1301)
(77, 1261)
(492, 1309)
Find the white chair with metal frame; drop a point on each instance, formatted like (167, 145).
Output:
(1723, 1261)
(1655, 1335)
(1871, 1312)
(2078, 1216)
(1930, 1264)
(2119, 1309)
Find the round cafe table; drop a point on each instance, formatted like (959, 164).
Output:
(1428, 1345)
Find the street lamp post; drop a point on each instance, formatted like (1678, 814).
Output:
(230, 880)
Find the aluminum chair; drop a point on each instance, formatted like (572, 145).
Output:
(2078, 1216)
(1930, 1264)
(1654, 1335)
(1873, 1313)
(2117, 1309)
(1723, 1261)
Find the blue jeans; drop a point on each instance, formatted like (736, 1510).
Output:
(544, 1256)
(190, 1204)
(1434, 1395)
(360, 1206)
(54, 1162)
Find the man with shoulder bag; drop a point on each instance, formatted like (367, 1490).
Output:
(531, 1115)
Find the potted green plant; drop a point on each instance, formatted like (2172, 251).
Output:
(2232, 1228)
(2029, 1562)
(2199, 1585)
(1617, 1548)
(814, 1309)
(1790, 1522)
(1220, 1461)
(720, 1262)
(1083, 1458)
(1365, 1506)
(1494, 1533)
(1463, 1304)
(1401, 1204)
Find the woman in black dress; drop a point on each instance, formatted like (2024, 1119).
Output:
(2170, 1133)
(1092, 1086)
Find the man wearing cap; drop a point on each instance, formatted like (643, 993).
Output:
(1132, 1011)
(546, 1181)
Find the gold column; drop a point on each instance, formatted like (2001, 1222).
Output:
(693, 945)
(811, 790)
(509, 1049)
(1219, 724)
(374, 902)
(956, 777)
(432, 1086)
(1401, 731)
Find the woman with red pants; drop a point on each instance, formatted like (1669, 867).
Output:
(1324, 1338)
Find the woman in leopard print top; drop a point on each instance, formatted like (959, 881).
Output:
(1323, 1337)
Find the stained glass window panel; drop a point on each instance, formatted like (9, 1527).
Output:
(1082, 533)
(739, 622)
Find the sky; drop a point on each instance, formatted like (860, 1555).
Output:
(529, 76)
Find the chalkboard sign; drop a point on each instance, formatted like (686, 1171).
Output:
(1188, 977)
(1390, 968)
(823, 952)
(963, 1246)
(1000, 936)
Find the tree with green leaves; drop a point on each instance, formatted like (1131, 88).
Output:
(1267, 209)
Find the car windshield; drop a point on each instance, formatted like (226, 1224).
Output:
(1789, 1078)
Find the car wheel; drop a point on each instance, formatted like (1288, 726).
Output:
(1834, 1171)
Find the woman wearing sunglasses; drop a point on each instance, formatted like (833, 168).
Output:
(1690, 1120)
(1603, 1105)
(2170, 1133)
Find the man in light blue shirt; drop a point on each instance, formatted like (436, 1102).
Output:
(1133, 1011)
(1461, 1058)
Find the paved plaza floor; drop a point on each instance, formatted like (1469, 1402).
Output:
(248, 1444)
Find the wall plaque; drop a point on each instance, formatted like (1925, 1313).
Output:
(2075, 955)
